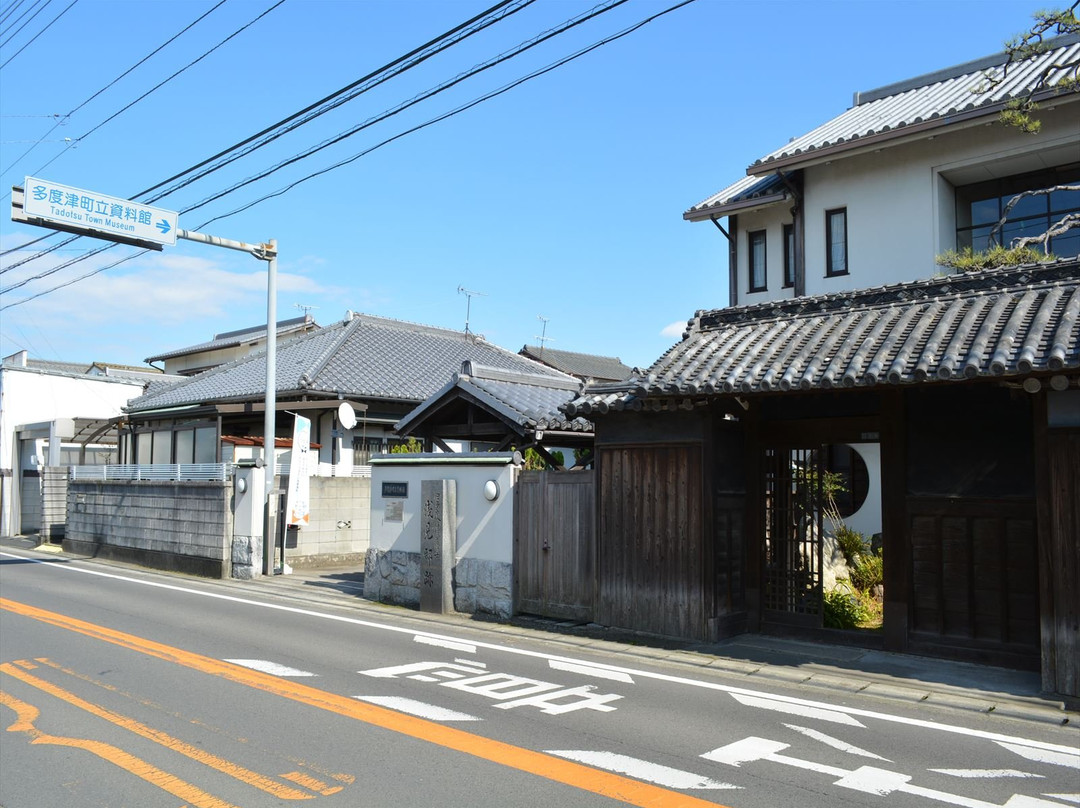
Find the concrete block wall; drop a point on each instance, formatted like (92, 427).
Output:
(182, 526)
(339, 529)
(54, 485)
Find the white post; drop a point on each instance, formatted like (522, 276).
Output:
(269, 419)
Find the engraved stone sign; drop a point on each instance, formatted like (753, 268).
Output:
(438, 540)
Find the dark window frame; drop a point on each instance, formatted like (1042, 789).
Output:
(830, 270)
(789, 255)
(751, 241)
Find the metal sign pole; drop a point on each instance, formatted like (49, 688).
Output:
(264, 252)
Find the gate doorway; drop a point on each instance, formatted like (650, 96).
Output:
(822, 563)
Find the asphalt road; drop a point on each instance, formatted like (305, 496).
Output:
(127, 688)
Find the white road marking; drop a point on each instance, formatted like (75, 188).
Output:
(1069, 758)
(867, 779)
(591, 670)
(74, 567)
(836, 743)
(418, 708)
(273, 668)
(641, 769)
(444, 642)
(802, 710)
(1065, 797)
(989, 774)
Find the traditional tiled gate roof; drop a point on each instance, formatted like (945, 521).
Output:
(991, 324)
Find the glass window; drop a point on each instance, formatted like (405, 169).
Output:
(836, 257)
(143, 444)
(162, 452)
(789, 256)
(979, 208)
(757, 260)
(206, 444)
(185, 445)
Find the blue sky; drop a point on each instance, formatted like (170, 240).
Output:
(562, 198)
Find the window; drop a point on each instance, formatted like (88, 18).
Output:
(980, 207)
(836, 262)
(789, 256)
(756, 240)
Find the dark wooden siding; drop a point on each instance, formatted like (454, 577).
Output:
(650, 550)
(555, 544)
(974, 577)
(1061, 559)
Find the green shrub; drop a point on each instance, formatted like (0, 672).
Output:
(411, 446)
(843, 608)
(852, 543)
(867, 571)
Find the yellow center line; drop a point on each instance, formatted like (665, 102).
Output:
(27, 714)
(157, 736)
(567, 772)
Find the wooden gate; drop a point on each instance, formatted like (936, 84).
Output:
(555, 544)
(792, 543)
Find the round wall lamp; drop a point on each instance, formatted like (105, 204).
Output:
(491, 490)
(241, 485)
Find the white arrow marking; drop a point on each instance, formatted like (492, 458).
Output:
(441, 642)
(418, 708)
(1067, 759)
(589, 670)
(273, 668)
(801, 710)
(641, 769)
(836, 743)
(990, 774)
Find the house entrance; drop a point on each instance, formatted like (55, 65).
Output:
(822, 564)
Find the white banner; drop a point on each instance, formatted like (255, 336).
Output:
(297, 506)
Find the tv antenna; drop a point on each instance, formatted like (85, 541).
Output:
(304, 308)
(468, 303)
(543, 333)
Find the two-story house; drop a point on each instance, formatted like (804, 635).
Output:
(947, 404)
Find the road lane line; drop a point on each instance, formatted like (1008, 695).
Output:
(273, 668)
(801, 710)
(308, 781)
(442, 642)
(642, 769)
(921, 723)
(1070, 759)
(27, 714)
(991, 774)
(541, 764)
(421, 709)
(591, 670)
(157, 736)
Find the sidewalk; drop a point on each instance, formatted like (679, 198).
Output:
(759, 658)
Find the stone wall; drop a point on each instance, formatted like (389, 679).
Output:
(339, 527)
(181, 526)
(480, 586)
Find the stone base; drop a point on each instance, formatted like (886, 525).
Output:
(480, 587)
(154, 559)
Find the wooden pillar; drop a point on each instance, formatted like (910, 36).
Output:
(896, 544)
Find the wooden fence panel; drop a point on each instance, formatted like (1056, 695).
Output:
(555, 544)
(650, 552)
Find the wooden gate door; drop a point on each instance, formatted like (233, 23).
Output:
(555, 544)
(793, 539)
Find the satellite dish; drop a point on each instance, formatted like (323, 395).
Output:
(346, 415)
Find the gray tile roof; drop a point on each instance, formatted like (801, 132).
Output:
(944, 98)
(364, 357)
(530, 400)
(581, 365)
(230, 339)
(991, 324)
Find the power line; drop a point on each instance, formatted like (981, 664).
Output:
(462, 108)
(16, 22)
(487, 18)
(505, 56)
(62, 119)
(11, 10)
(39, 33)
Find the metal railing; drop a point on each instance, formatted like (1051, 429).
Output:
(156, 471)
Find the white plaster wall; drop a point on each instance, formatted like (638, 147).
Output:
(484, 529)
(867, 520)
(900, 202)
(28, 396)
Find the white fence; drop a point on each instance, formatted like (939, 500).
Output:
(157, 471)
